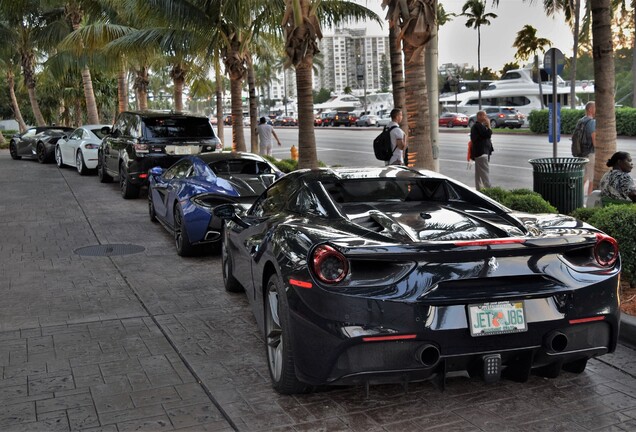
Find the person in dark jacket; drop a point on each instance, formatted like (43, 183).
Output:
(480, 135)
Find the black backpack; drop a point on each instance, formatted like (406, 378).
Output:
(580, 144)
(382, 145)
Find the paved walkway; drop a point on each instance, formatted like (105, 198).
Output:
(151, 341)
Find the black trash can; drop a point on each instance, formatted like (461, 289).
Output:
(560, 181)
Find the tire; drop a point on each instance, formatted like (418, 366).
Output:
(13, 151)
(576, 366)
(128, 190)
(181, 240)
(104, 177)
(79, 163)
(40, 151)
(58, 157)
(450, 124)
(231, 284)
(151, 208)
(278, 346)
(493, 124)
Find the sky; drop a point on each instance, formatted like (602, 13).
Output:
(458, 44)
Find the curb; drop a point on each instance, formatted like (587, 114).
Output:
(627, 332)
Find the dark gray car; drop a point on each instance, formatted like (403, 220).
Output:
(501, 117)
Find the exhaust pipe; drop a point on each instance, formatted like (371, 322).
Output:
(556, 342)
(428, 355)
(212, 235)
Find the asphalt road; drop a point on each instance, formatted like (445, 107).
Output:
(509, 167)
(146, 340)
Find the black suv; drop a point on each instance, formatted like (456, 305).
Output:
(140, 140)
(343, 118)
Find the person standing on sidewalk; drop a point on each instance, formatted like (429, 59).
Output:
(480, 135)
(265, 132)
(398, 138)
(588, 121)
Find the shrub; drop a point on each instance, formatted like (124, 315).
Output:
(584, 213)
(619, 221)
(625, 121)
(523, 200)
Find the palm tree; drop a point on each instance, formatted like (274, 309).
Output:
(301, 25)
(528, 44)
(475, 12)
(8, 62)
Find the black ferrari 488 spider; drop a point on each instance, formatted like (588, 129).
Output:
(359, 276)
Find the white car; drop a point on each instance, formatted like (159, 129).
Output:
(79, 149)
(383, 120)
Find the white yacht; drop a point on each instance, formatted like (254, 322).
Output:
(516, 89)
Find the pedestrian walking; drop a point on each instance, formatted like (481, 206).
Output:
(398, 138)
(265, 132)
(588, 142)
(481, 149)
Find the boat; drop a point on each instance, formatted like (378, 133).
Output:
(516, 89)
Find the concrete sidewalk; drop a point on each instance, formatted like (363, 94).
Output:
(150, 341)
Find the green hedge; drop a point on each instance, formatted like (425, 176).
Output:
(618, 221)
(625, 121)
(523, 200)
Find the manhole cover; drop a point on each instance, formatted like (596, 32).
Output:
(109, 250)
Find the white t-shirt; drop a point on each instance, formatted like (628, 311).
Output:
(265, 134)
(398, 155)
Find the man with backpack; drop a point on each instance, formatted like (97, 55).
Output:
(583, 140)
(398, 138)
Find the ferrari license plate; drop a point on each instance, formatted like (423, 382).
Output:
(183, 150)
(497, 318)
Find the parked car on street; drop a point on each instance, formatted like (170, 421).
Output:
(501, 117)
(285, 121)
(183, 197)
(383, 120)
(80, 148)
(367, 120)
(327, 117)
(387, 274)
(37, 143)
(343, 118)
(317, 120)
(451, 119)
(140, 140)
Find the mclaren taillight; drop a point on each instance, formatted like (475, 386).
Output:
(329, 265)
(605, 250)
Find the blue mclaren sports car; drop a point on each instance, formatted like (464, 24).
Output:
(183, 196)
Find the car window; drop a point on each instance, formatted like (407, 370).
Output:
(508, 111)
(98, 133)
(76, 135)
(240, 166)
(305, 202)
(272, 201)
(133, 126)
(181, 127)
(179, 170)
(29, 132)
(374, 190)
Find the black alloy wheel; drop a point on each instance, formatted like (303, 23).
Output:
(280, 356)
(40, 151)
(128, 190)
(181, 239)
(13, 151)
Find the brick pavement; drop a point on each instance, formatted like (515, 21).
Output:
(151, 341)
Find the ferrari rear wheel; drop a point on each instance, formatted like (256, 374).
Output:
(181, 240)
(58, 157)
(280, 356)
(13, 151)
(230, 282)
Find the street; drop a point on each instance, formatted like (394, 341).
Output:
(138, 338)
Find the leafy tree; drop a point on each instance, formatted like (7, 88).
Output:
(475, 12)
(323, 95)
(528, 44)
(385, 74)
(507, 67)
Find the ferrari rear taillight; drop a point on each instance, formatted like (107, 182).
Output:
(329, 264)
(605, 250)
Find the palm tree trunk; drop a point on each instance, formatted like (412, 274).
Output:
(35, 106)
(479, 67)
(307, 155)
(397, 73)
(122, 89)
(141, 87)
(238, 137)
(419, 138)
(536, 67)
(431, 60)
(251, 85)
(634, 65)
(603, 53)
(14, 101)
(219, 100)
(89, 95)
(576, 8)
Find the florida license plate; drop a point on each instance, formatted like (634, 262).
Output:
(497, 318)
(182, 150)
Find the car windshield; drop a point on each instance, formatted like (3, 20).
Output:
(185, 127)
(508, 111)
(240, 166)
(98, 133)
(374, 189)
